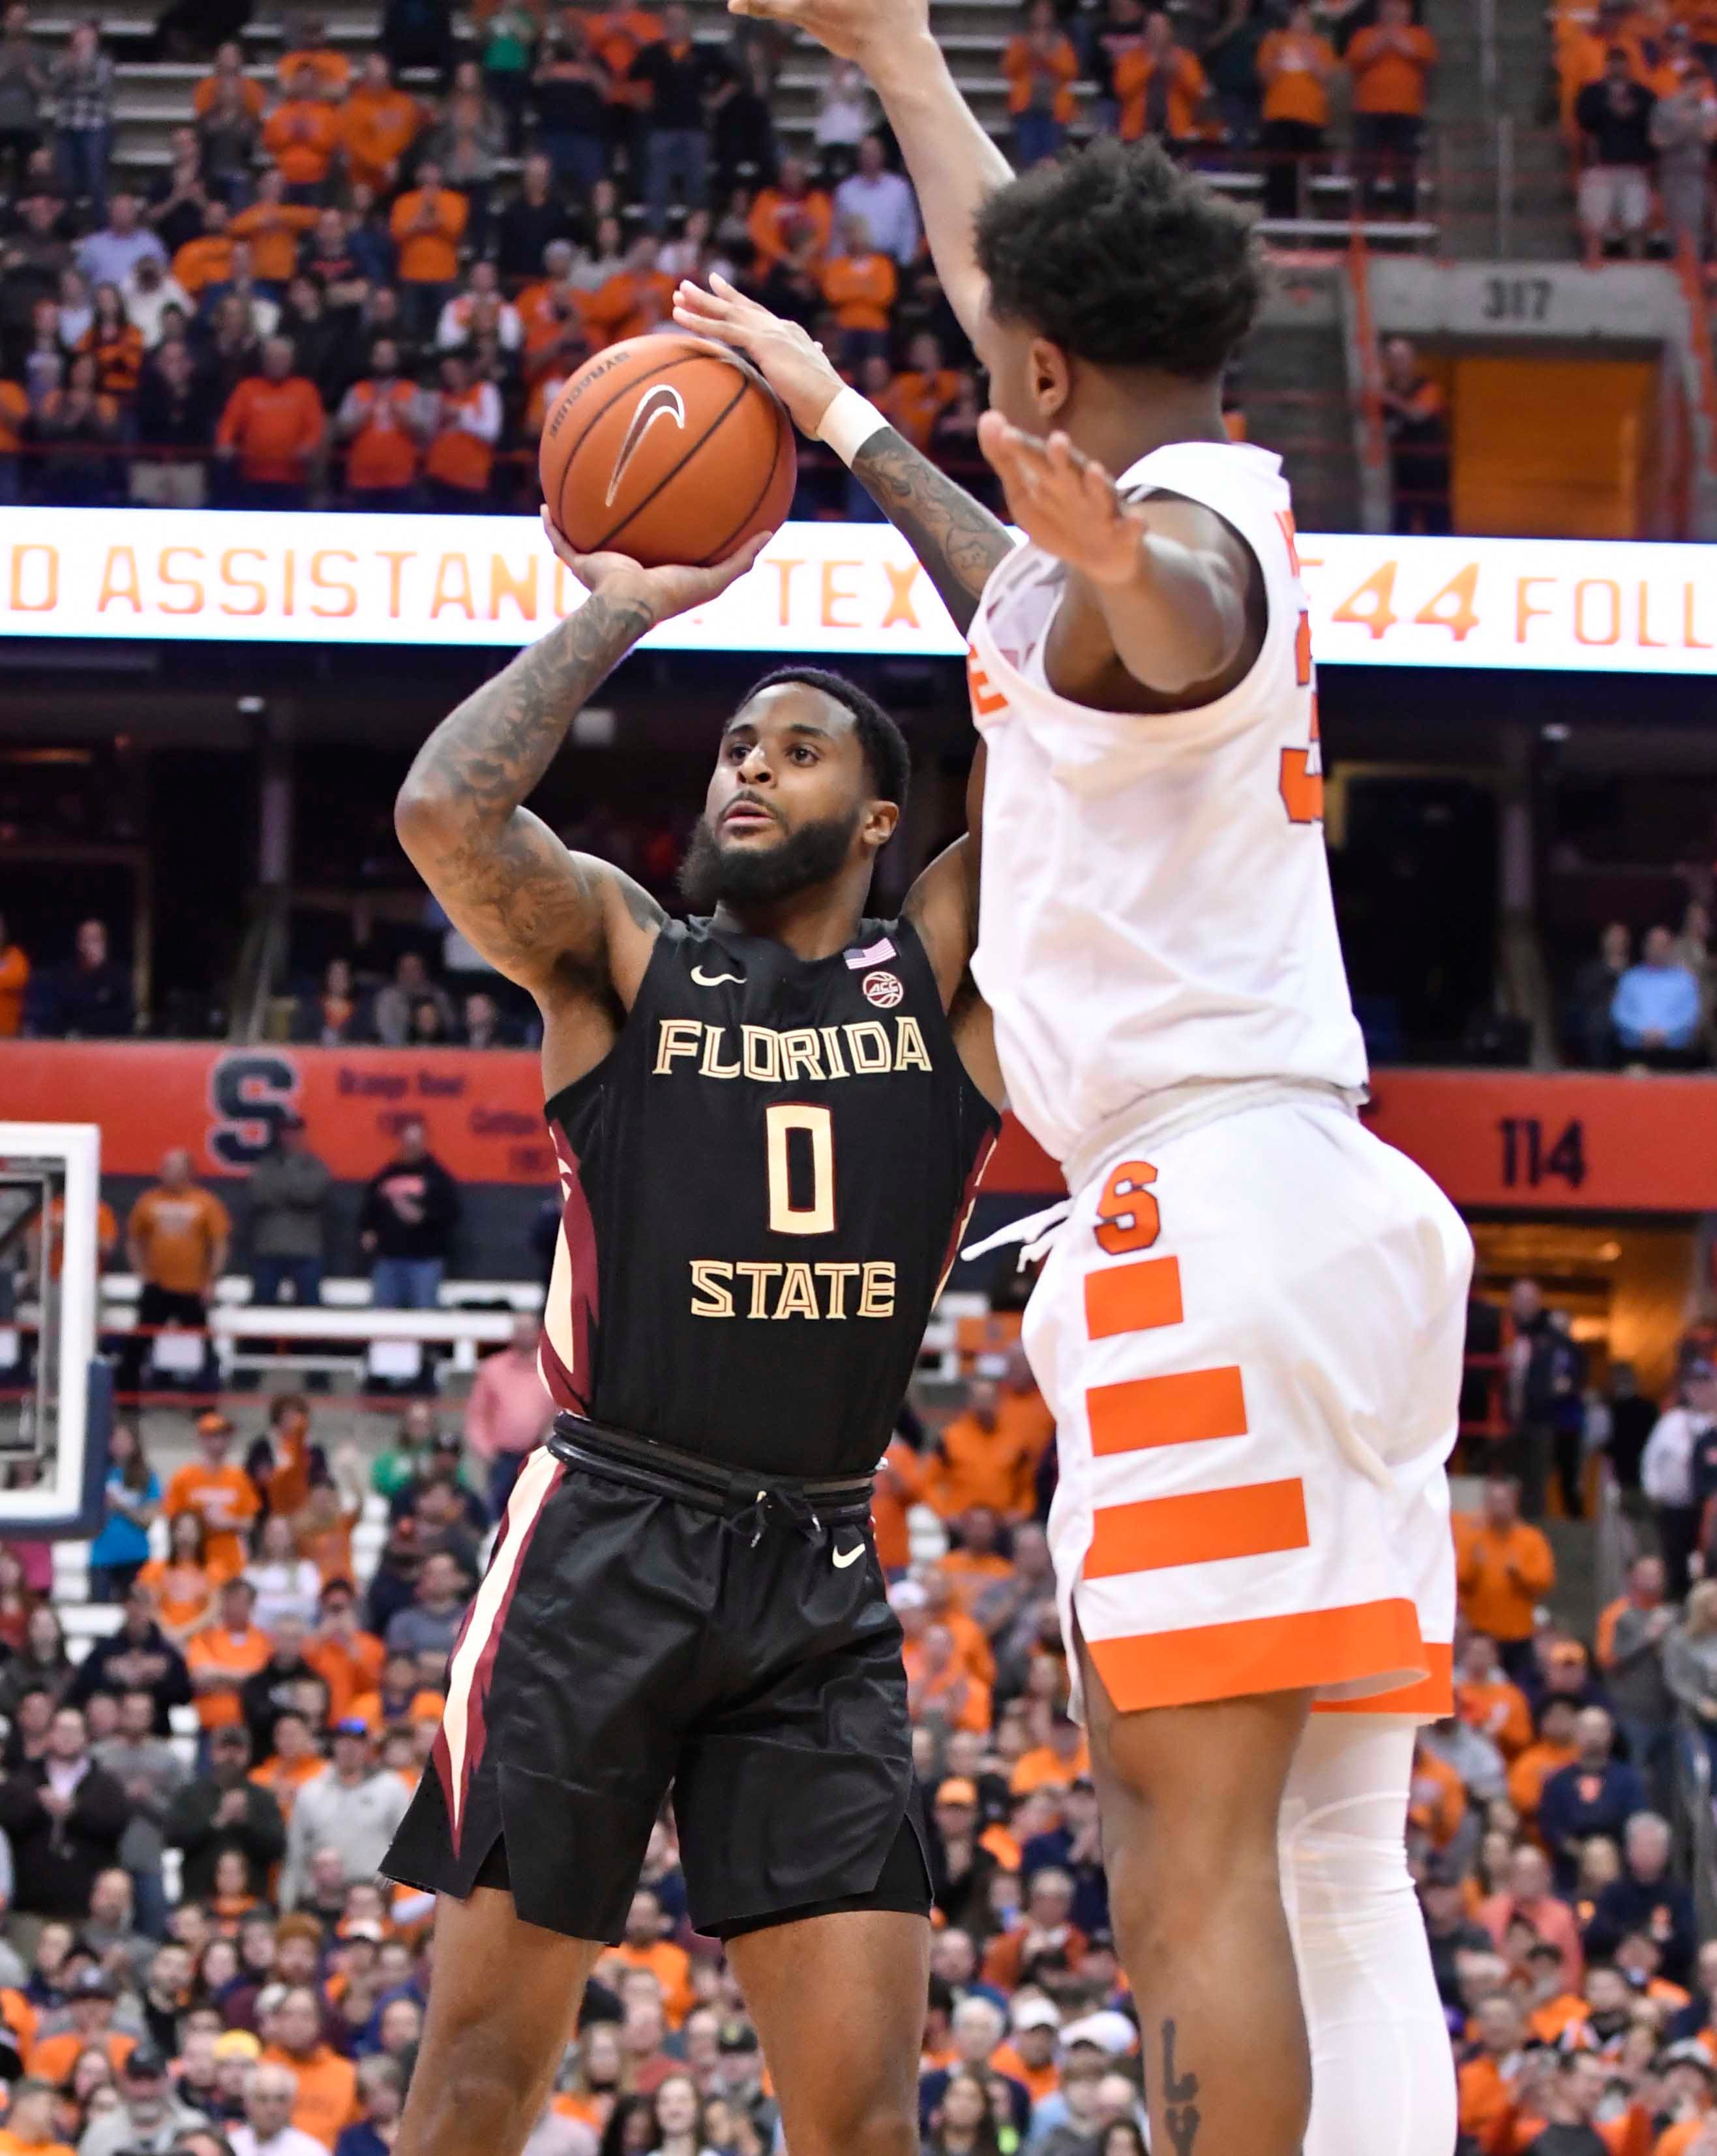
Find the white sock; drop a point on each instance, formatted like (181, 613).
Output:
(1382, 2076)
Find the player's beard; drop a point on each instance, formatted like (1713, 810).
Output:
(713, 874)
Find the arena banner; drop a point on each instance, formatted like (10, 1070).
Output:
(1507, 1140)
(267, 577)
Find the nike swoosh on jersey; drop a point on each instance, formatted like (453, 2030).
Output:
(715, 980)
(660, 401)
(844, 1557)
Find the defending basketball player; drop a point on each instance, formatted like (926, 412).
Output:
(769, 1124)
(1250, 1326)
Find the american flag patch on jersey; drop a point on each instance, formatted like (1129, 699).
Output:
(874, 956)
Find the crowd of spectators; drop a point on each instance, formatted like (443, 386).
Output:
(272, 2005)
(1645, 1004)
(1638, 107)
(350, 291)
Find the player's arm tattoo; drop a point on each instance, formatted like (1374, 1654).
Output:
(532, 908)
(953, 535)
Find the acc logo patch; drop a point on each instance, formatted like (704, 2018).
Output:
(883, 989)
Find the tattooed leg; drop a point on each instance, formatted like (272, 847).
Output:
(1190, 1799)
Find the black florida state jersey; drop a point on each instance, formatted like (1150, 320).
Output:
(762, 1187)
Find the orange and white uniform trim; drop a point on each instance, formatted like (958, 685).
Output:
(1250, 1328)
(1253, 1405)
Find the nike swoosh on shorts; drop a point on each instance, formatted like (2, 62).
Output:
(844, 1557)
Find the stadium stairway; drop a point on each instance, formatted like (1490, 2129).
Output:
(1502, 172)
(1293, 386)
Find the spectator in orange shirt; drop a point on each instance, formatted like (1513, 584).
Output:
(973, 1463)
(220, 1494)
(31, 2127)
(1065, 1760)
(272, 228)
(1161, 87)
(633, 300)
(1296, 66)
(1030, 2058)
(646, 1945)
(229, 69)
(616, 36)
(183, 1587)
(382, 423)
(860, 285)
(1436, 1801)
(465, 423)
(945, 1689)
(899, 1485)
(551, 315)
(346, 1658)
(14, 965)
(327, 2103)
(1044, 1926)
(427, 224)
(1041, 68)
(302, 135)
(331, 69)
(1487, 2078)
(222, 1654)
(274, 427)
(294, 1761)
(1488, 1702)
(378, 124)
(975, 1562)
(177, 1239)
(1391, 65)
(1551, 1750)
(1504, 1569)
(782, 214)
(208, 260)
(1527, 1898)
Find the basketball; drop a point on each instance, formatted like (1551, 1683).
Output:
(669, 448)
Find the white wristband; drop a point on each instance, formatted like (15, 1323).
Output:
(848, 424)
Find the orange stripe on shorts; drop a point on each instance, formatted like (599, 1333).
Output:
(1178, 1408)
(1199, 1527)
(1132, 1298)
(1252, 1655)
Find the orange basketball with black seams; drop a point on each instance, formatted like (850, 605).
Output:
(669, 448)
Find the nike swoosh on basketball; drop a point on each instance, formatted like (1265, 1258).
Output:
(844, 1557)
(660, 401)
(715, 980)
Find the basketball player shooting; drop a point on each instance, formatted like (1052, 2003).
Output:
(1250, 1326)
(770, 1125)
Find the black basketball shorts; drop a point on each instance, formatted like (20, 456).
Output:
(647, 1621)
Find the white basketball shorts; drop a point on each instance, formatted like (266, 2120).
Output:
(1251, 1338)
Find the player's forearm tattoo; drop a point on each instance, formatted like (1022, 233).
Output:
(527, 903)
(1180, 2099)
(955, 537)
(485, 757)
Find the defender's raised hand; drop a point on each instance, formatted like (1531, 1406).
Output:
(863, 30)
(794, 366)
(1065, 502)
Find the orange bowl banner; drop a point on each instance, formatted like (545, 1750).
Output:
(1495, 1140)
(321, 578)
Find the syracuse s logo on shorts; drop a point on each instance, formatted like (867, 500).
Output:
(660, 401)
(883, 989)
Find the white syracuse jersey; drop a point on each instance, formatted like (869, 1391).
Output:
(1249, 1328)
(1156, 909)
